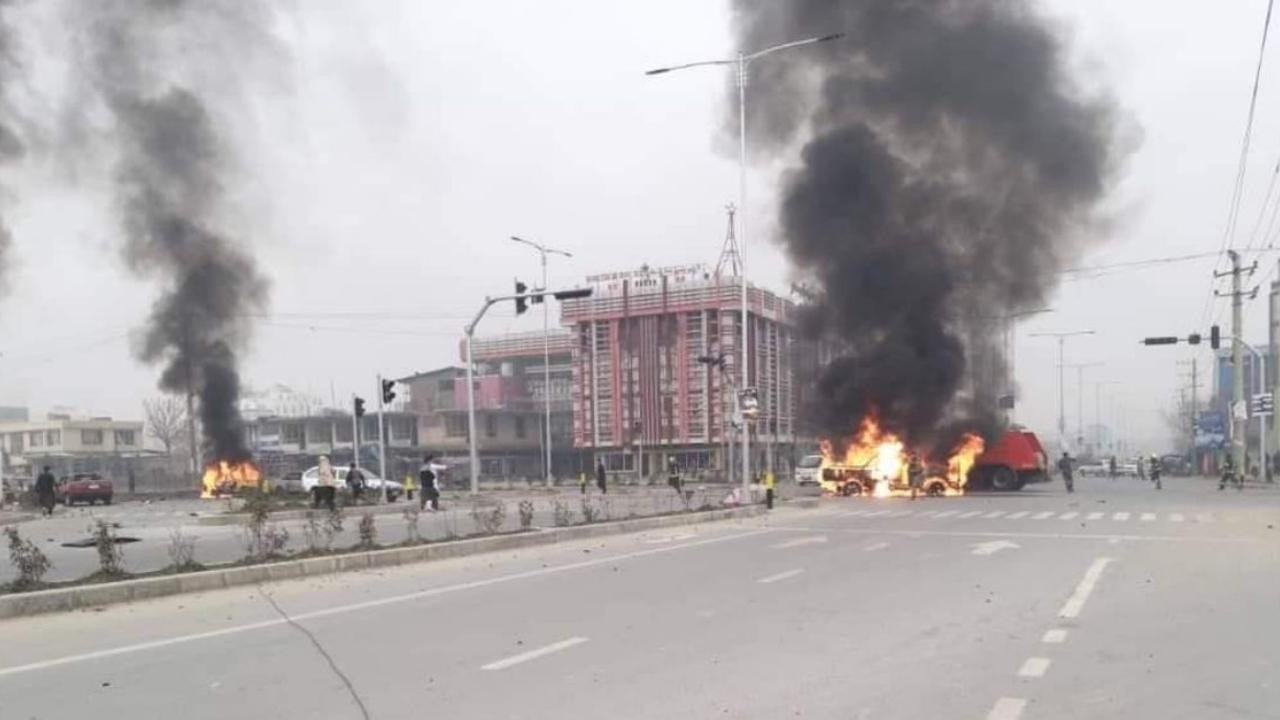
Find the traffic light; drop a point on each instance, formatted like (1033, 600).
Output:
(1215, 337)
(537, 298)
(522, 303)
(359, 407)
(1167, 340)
(1193, 339)
(388, 391)
(573, 294)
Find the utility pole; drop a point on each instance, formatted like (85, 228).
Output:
(382, 441)
(1062, 395)
(1238, 410)
(1193, 410)
(1080, 368)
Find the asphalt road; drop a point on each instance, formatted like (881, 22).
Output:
(1115, 602)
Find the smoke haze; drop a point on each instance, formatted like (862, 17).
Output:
(948, 169)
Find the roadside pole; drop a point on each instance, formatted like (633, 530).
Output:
(382, 443)
(355, 433)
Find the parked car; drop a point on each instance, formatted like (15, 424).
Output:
(83, 487)
(806, 472)
(372, 483)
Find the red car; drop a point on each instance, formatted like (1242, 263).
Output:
(84, 487)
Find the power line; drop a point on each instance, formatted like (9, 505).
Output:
(1233, 209)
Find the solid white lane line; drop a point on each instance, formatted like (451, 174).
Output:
(1017, 515)
(1176, 517)
(1120, 516)
(1034, 667)
(1076, 602)
(534, 654)
(1095, 516)
(1067, 515)
(1056, 635)
(780, 576)
(1042, 515)
(947, 513)
(797, 542)
(367, 604)
(974, 513)
(1007, 708)
(875, 546)
(1147, 517)
(994, 514)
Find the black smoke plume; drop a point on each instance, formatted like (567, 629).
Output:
(170, 170)
(949, 167)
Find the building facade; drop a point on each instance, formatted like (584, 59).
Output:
(68, 444)
(643, 387)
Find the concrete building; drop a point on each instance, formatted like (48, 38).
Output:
(640, 392)
(69, 444)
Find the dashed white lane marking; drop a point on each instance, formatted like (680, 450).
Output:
(1077, 600)
(875, 546)
(1017, 515)
(1067, 515)
(797, 542)
(1176, 517)
(1007, 708)
(534, 654)
(1034, 667)
(901, 513)
(974, 513)
(947, 513)
(1147, 517)
(780, 576)
(1056, 635)
(367, 604)
(1042, 515)
(929, 513)
(880, 513)
(1094, 516)
(994, 514)
(1204, 517)
(1120, 516)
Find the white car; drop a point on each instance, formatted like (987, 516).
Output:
(807, 470)
(372, 483)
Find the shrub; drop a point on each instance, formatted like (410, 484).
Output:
(110, 556)
(412, 533)
(489, 521)
(526, 514)
(182, 550)
(450, 521)
(562, 514)
(589, 512)
(368, 530)
(30, 562)
(263, 539)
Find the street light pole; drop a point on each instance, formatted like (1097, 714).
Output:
(1262, 419)
(1062, 412)
(546, 353)
(742, 62)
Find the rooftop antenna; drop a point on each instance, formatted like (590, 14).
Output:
(729, 255)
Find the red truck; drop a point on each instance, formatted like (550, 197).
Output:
(1015, 459)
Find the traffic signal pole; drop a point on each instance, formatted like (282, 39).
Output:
(355, 432)
(382, 442)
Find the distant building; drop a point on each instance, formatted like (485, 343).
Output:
(13, 414)
(68, 443)
(278, 400)
(641, 393)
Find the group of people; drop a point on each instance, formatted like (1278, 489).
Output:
(1146, 467)
(324, 492)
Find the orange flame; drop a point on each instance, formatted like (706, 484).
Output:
(878, 461)
(224, 478)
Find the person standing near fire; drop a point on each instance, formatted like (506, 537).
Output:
(430, 484)
(324, 491)
(355, 483)
(915, 474)
(1064, 467)
(45, 493)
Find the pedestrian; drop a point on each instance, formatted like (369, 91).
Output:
(1064, 467)
(409, 486)
(601, 477)
(355, 483)
(673, 476)
(915, 474)
(323, 493)
(582, 483)
(768, 489)
(1155, 471)
(45, 494)
(1111, 467)
(430, 484)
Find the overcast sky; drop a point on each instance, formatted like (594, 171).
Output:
(401, 135)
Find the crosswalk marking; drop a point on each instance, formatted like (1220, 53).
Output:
(1147, 517)
(1067, 515)
(947, 513)
(975, 513)
(1204, 517)
(961, 514)
(1042, 515)
(901, 513)
(1120, 516)
(1017, 515)
(1176, 517)
(1095, 516)
(994, 514)
(880, 513)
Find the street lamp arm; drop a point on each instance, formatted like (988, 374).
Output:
(808, 41)
(703, 63)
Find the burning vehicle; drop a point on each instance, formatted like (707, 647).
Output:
(222, 478)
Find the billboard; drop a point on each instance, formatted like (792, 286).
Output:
(1211, 430)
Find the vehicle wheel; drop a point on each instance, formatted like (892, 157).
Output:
(106, 501)
(936, 490)
(1003, 480)
(92, 501)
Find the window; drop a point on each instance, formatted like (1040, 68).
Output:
(53, 438)
(520, 428)
(15, 443)
(401, 429)
(90, 437)
(490, 426)
(291, 433)
(342, 429)
(455, 426)
(35, 439)
(445, 386)
(124, 438)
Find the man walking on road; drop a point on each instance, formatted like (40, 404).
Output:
(355, 483)
(1064, 467)
(44, 490)
(430, 486)
(601, 477)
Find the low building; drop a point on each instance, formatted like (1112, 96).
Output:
(68, 444)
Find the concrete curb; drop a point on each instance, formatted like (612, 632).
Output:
(83, 596)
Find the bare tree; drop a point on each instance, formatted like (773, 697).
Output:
(166, 420)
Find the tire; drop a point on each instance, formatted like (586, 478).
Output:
(936, 490)
(92, 501)
(1003, 480)
(106, 500)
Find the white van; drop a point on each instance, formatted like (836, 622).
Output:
(807, 470)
